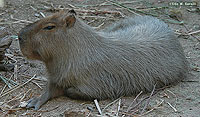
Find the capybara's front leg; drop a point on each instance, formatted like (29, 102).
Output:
(52, 91)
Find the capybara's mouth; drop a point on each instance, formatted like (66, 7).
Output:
(22, 46)
(21, 41)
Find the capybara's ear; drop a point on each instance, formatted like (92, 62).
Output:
(70, 19)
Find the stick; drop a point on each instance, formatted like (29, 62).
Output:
(104, 4)
(98, 107)
(187, 34)
(15, 98)
(15, 72)
(72, 6)
(191, 35)
(175, 110)
(122, 6)
(110, 104)
(18, 86)
(198, 31)
(148, 99)
(130, 9)
(11, 81)
(36, 84)
(98, 17)
(40, 78)
(4, 80)
(154, 8)
(92, 11)
(134, 101)
(118, 107)
(98, 27)
(173, 94)
(25, 95)
(152, 108)
(3, 89)
(20, 20)
(42, 14)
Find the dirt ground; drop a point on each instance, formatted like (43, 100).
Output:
(182, 100)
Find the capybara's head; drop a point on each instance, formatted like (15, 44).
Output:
(41, 40)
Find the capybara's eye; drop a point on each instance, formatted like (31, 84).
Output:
(49, 27)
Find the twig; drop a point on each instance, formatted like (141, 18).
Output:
(118, 107)
(26, 21)
(2, 13)
(40, 78)
(189, 81)
(173, 94)
(149, 96)
(152, 108)
(89, 114)
(5, 81)
(33, 8)
(11, 81)
(3, 89)
(175, 110)
(134, 101)
(173, 21)
(15, 72)
(187, 34)
(16, 87)
(91, 22)
(16, 22)
(37, 84)
(198, 31)
(104, 4)
(72, 6)
(154, 8)
(91, 11)
(25, 95)
(99, 12)
(98, 27)
(42, 14)
(98, 107)
(10, 56)
(15, 98)
(130, 9)
(15, 109)
(147, 103)
(191, 34)
(122, 6)
(110, 104)
(98, 17)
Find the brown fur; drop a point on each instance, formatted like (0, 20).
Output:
(128, 57)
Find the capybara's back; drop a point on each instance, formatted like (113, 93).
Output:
(149, 54)
(130, 56)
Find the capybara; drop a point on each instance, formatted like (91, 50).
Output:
(130, 56)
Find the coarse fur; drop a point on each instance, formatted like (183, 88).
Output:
(128, 57)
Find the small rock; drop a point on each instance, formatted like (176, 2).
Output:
(37, 15)
(23, 104)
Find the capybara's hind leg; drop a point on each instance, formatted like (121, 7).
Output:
(75, 93)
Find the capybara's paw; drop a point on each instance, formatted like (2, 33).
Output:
(35, 103)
